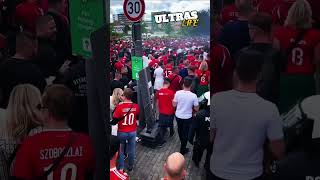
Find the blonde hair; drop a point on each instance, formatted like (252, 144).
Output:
(203, 66)
(22, 111)
(117, 92)
(300, 15)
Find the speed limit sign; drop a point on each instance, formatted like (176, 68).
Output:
(134, 9)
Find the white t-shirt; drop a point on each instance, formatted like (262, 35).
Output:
(158, 74)
(243, 121)
(185, 100)
(146, 61)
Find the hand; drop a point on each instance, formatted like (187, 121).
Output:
(65, 66)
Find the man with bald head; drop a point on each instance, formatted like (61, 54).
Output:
(175, 167)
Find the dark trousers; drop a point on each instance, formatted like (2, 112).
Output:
(211, 176)
(165, 121)
(183, 131)
(198, 149)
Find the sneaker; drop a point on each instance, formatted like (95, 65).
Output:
(130, 169)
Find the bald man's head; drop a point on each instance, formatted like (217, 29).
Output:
(175, 166)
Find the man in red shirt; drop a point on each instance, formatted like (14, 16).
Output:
(168, 68)
(126, 115)
(40, 152)
(175, 80)
(114, 152)
(166, 111)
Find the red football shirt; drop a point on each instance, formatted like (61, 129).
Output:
(128, 123)
(165, 97)
(37, 153)
(117, 175)
(203, 76)
(229, 13)
(26, 14)
(168, 70)
(301, 59)
(222, 69)
(153, 64)
(118, 65)
(175, 82)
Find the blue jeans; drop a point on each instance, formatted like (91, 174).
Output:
(130, 149)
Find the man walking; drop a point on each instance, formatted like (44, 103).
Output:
(185, 102)
(166, 111)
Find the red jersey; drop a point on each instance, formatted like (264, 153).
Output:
(195, 64)
(118, 65)
(37, 153)
(280, 12)
(175, 82)
(168, 70)
(222, 69)
(128, 123)
(165, 97)
(191, 57)
(229, 13)
(118, 175)
(203, 77)
(153, 64)
(301, 58)
(26, 14)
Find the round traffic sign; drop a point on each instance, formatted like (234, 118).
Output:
(134, 9)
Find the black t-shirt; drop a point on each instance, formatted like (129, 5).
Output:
(16, 71)
(298, 166)
(268, 85)
(46, 58)
(75, 79)
(116, 84)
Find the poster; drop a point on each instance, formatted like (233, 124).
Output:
(137, 66)
(86, 16)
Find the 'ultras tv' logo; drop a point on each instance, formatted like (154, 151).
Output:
(187, 18)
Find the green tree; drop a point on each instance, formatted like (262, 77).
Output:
(144, 27)
(126, 29)
(168, 28)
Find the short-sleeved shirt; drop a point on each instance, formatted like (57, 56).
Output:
(185, 100)
(203, 77)
(165, 97)
(37, 153)
(243, 121)
(301, 59)
(128, 112)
